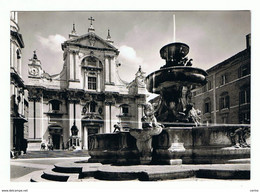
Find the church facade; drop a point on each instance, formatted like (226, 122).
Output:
(18, 93)
(85, 98)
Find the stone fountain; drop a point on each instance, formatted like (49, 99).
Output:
(178, 137)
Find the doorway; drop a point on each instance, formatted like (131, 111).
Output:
(92, 130)
(56, 141)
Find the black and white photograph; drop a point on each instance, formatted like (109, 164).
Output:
(130, 96)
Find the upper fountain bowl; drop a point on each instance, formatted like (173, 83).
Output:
(174, 51)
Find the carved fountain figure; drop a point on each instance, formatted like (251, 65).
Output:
(150, 127)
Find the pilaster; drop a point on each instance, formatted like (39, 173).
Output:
(214, 99)
(112, 70)
(107, 117)
(106, 70)
(98, 81)
(85, 139)
(139, 115)
(71, 115)
(78, 118)
(70, 60)
(39, 118)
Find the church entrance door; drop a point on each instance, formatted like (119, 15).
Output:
(93, 130)
(56, 141)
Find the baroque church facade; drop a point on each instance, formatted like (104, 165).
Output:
(85, 98)
(18, 93)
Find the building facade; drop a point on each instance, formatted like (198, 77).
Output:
(86, 97)
(225, 99)
(18, 93)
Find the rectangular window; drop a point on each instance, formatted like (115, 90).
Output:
(207, 107)
(223, 80)
(125, 110)
(244, 70)
(55, 106)
(224, 102)
(92, 83)
(244, 96)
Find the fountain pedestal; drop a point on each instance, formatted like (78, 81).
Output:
(144, 143)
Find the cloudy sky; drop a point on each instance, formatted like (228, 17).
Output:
(213, 36)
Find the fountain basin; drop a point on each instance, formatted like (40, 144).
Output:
(191, 145)
(174, 50)
(175, 76)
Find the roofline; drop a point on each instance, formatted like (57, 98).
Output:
(85, 35)
(228, 60)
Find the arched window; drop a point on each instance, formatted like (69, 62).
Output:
(91, 62)
(92, 67)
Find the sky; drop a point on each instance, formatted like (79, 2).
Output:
(212, 36)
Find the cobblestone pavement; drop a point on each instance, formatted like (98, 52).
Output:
(53, 154)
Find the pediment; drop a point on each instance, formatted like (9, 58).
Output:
(91, 40)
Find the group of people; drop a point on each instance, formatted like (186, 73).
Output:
(49, 146)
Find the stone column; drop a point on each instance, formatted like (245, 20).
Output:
(22, 100)
(139, 115)
(71, 68)
(12, 54)
(78, 118)
(19, 68)
(214, 99)
(106, 70)
(85, 80)
(98, 81)
(107, 118)
(85, 139)
(14, 58)
(31, 119)
(71, 115)
(112, 70)
(39, 118)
